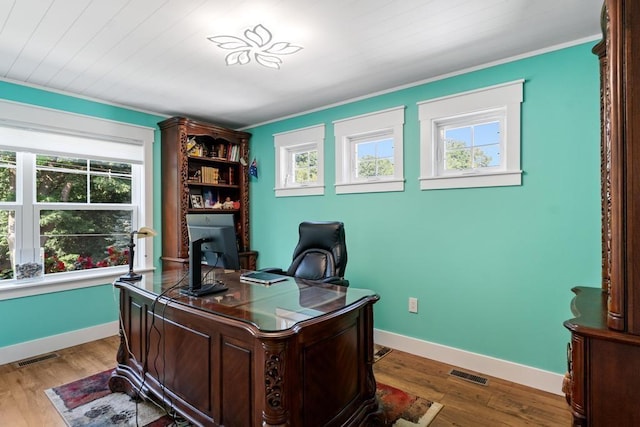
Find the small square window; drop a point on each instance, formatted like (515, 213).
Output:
(369, 152)
(471, 139)
(469, 147)
(300, 162)
(373, 157)
(304, 166)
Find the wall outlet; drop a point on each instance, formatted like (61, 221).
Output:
(413, 305)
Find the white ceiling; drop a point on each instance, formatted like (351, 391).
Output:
(154, 55)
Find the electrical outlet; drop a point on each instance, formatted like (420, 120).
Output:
(413, 305)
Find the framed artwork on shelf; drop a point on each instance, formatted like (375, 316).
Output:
(196, 201)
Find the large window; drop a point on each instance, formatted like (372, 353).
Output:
(369, 152)
(471, 139)
(70, 199)
(81, 216)
(300, 162)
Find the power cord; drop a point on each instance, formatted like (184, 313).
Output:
(171, 412)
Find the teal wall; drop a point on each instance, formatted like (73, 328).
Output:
(492, 267)
(34, 317)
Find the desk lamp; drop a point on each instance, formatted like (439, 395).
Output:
(142, 233)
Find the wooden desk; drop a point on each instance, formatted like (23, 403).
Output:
(290, 354)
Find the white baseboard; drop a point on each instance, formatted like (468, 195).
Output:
(514, 372)
(25, 350)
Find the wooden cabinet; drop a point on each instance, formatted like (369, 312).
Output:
(204, 170)
(604, 355)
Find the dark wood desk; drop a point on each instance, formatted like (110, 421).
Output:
(290, 354)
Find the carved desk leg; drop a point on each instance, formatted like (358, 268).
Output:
(275, 412)
(117, 383)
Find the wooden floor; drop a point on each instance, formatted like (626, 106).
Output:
(500, 403)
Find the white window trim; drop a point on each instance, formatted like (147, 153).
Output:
(344, 129)
(311, 137)
(508, 96)
(139, 139)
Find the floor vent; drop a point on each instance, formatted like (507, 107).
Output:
(37, 359)
(469, 377)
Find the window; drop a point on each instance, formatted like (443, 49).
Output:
(373, 155)
(369, 152)
(69, 199)
(80, 219)
(300, 162)
(471, 139)
(304, 166)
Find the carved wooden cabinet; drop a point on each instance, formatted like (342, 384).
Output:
(204, 170)
(603, 380)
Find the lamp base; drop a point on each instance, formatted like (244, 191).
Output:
(131, 277)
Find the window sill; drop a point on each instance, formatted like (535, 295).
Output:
(11, 289)
(371, 187)
(495, 179)
(309, 190)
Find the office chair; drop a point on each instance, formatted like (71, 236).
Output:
(321, 253)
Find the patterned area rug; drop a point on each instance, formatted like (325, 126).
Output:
(88, 402)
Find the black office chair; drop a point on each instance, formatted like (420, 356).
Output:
(321, 253)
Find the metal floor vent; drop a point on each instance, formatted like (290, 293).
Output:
(27, 362)
(469, 377)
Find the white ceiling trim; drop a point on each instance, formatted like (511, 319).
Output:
(434, 79)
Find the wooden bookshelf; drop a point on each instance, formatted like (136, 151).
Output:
(204, 170)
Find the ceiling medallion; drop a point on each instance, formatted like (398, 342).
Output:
(257, 44)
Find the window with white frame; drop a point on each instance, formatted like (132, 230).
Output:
(70, 195)
(471, 139)
(369, 152)
(79, 215)
(300, 162)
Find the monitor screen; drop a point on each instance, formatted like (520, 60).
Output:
(211, 220)
(222, 249)
(217, 245)
(212, 240)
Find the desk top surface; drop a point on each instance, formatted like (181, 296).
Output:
(276, 307)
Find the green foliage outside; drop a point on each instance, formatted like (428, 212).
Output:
(370, 166)
(77, 238)
(460, 157)
(306, 167)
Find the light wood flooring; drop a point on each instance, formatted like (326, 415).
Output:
(500, 403)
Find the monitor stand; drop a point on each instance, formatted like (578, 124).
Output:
(204, 290)
(196, 287)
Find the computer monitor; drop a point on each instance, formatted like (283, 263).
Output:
(211, 220)
(213, 243)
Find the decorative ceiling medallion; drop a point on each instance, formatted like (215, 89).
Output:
(257, 44)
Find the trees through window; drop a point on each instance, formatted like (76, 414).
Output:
(471, 139)
(82, 213)
(369, 152)
(300, 162)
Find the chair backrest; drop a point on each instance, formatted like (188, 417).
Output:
(321, 251)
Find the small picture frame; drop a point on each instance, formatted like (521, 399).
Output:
(196, 201)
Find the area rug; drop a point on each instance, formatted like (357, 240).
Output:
(89, 402)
